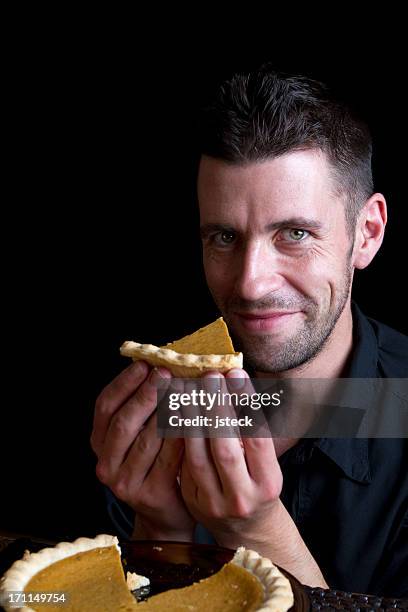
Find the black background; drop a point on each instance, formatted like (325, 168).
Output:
(102, 233)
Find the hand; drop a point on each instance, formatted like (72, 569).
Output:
(234, 491)
(140, 468)
(230, 491)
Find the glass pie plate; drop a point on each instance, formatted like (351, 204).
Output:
(170, 565)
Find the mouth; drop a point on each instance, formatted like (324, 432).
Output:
(265, 321)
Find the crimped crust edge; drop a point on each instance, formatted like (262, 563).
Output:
(191, 360)
(21, 572)
(278, 591)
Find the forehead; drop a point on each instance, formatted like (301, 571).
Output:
(298, 183)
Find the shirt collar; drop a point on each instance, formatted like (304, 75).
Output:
(349, 454)
(364, 358)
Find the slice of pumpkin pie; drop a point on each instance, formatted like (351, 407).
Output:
(85, 575)
(88, 572)
(208, 348)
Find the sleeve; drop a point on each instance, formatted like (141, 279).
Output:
(121, 515)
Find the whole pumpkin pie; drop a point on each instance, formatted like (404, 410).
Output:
(89, 574)
(208, 348)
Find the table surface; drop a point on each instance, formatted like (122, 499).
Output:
(12, 546)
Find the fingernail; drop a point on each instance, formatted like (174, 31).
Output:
(212, 382)
(139, 366)
(155, 377)
(236, 383)
(236, 379)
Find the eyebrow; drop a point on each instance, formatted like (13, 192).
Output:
(210, 228)
(295, 222)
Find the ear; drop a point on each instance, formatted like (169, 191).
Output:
(370, 230)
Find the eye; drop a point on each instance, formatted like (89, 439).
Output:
(227, 237)
(223, 238)
(295, 234)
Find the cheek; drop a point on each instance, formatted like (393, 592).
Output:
(218, 274)
(317, 274)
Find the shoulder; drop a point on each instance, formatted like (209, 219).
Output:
(392, 349)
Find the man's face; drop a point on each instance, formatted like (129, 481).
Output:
(276, 254)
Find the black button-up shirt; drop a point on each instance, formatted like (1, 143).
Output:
(349, 497)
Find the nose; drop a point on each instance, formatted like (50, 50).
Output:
(259, 272)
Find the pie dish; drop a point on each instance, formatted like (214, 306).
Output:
(208, 348)
(90, 573)
(87, 571)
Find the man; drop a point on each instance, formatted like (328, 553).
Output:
(287, 214)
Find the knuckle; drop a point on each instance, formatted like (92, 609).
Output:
(139, 367)
(99, 401)
(227, 456)
(121, 486)
(120, 489)
(101, 404)
(102, 472)
(216, 512)
(146, 394)
(142, 443)
(196, 464)
(257, 444)
(103, 409)
(92, 442)
(273, 488)
(119, 425)
(240, 508)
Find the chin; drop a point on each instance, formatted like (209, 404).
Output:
(281, 363)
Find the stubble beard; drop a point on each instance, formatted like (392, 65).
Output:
(265, 353)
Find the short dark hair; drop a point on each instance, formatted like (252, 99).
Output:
(263, 114)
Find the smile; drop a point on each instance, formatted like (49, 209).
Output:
(264, 321)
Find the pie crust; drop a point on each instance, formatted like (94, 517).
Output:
(191, 356)
(278, 591)
(82, 570)
(275, 589)
(21, 572)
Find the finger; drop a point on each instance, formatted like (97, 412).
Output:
(130, 475)
(112, 398)
(239, 383)
(261, 463)
(193, 409)
(189, 489)
(215, 387)
(202, 468)
(141, 457)
(230, 464)
(226, 451)
(263, 466)
(127, 423)
(167, 465)
(163, 382)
